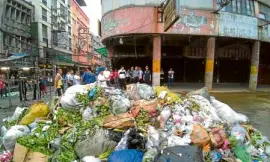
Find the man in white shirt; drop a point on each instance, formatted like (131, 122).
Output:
(107, 75)
(122, 78)
(170, 77)
(101, 79)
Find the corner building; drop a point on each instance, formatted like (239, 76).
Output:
(203, 46)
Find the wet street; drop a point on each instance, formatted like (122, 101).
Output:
(254, 105)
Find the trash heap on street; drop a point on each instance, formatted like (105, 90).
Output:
(90, 123)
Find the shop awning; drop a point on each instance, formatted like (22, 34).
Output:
(14, 56)
(103, 51)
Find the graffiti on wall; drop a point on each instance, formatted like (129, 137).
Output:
(235, 25)
(195, 22)
(128, 20)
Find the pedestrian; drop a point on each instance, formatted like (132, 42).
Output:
(58, 82)
(147, 76)
(23, 89)
(70, 78)
(112, 78)
(2, 86)
(77, 78)
(115, 77)
(107, 74)
(170, 77)
(41, 86)
(34, 81)
(122, 78)
(162, 76)
(128, 76)
(140, 75)
(88, 77)
(131, 74)
(101, 79)
(136, 75)
(12, 78)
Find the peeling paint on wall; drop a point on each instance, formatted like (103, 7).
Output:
(235, 25)
(195, 22)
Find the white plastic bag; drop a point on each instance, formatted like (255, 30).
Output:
(145, 91)
(122, 145)
(239, 133)
(178, 141)
(90, 159)
(87, 114)
(69, 101)
(226, 113)
(18, 112)
(120, 104)
(10, 139)
(153, 138)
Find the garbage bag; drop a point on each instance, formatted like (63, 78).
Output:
(200, 137)
(122, 121)
(166, 95)
(145, 91)
(10, 139)
(130, 155)
(6, 156)
(35, 111)
(136, 140)
(122, 145)
(180, 153)
(218, 137)
(96, 145)
(164, 116)
(201, 92)
(174, 140)
(226, 113)
(120, 105)
(132, 92)
(87, 114)
(150, 106)
(149, 155)
(241, 154)
(90, 159)
(239, 133)
(153, 138)
(17, 113)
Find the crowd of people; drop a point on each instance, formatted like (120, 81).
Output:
(119, 78)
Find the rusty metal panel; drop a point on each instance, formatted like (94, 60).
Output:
(239, 26)
(198, 4)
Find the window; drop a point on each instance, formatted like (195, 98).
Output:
(69, 30)
(62, 11)
(264, 12)
(44, 2)
(245, 7)
(70, 44)
(44, 14)
(44, 33)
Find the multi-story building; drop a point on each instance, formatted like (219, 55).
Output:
(80, 33)
(211, 42)
(15, 21)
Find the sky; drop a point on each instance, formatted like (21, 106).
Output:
(93, 11)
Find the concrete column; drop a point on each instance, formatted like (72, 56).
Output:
(156, 60)
(255, 57)
(110, 51)
(210, 59)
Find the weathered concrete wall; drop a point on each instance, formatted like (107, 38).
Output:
(267, 2)
(235, 25)
(198, 4)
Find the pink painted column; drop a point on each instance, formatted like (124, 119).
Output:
(110, 51)
(156, 60)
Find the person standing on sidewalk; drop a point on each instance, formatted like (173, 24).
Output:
(88, 77)
(70, 78)
(2, 86)
(122, 78)
(58, 82)
(147, 76)
(170, 77)
(107, 75)
(77, 78)
(136, 75)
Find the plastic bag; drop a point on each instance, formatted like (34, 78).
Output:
(132, 92)
(174, 140)
(17, 113)
(150, 106)
(5, 156)
(145, 91)
(87, 114)
(226, 113)
(90, 159)
(239, 133)
(218, 137)
(122, 121)
(216, 156)
(136, 140)
(10, 139)
(120, 105)
(241, 154)
(122, 145)
(96, 145)
(35, 111)
(69, 101)
(130, 155)
(201, 92)
(150, 155)
(200, 136)
(164, 116)
(153, 138)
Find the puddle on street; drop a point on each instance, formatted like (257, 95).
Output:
(254, 105)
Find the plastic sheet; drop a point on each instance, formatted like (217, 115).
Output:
(120, 105)
(126, 156)
(145, 91)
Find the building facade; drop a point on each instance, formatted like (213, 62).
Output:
(80, 34)
(209, 43)
(15, 23)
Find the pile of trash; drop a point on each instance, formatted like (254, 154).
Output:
(90, 123)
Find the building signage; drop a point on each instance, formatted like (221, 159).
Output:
(171, 13)
(195, 22)
(239, 26)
